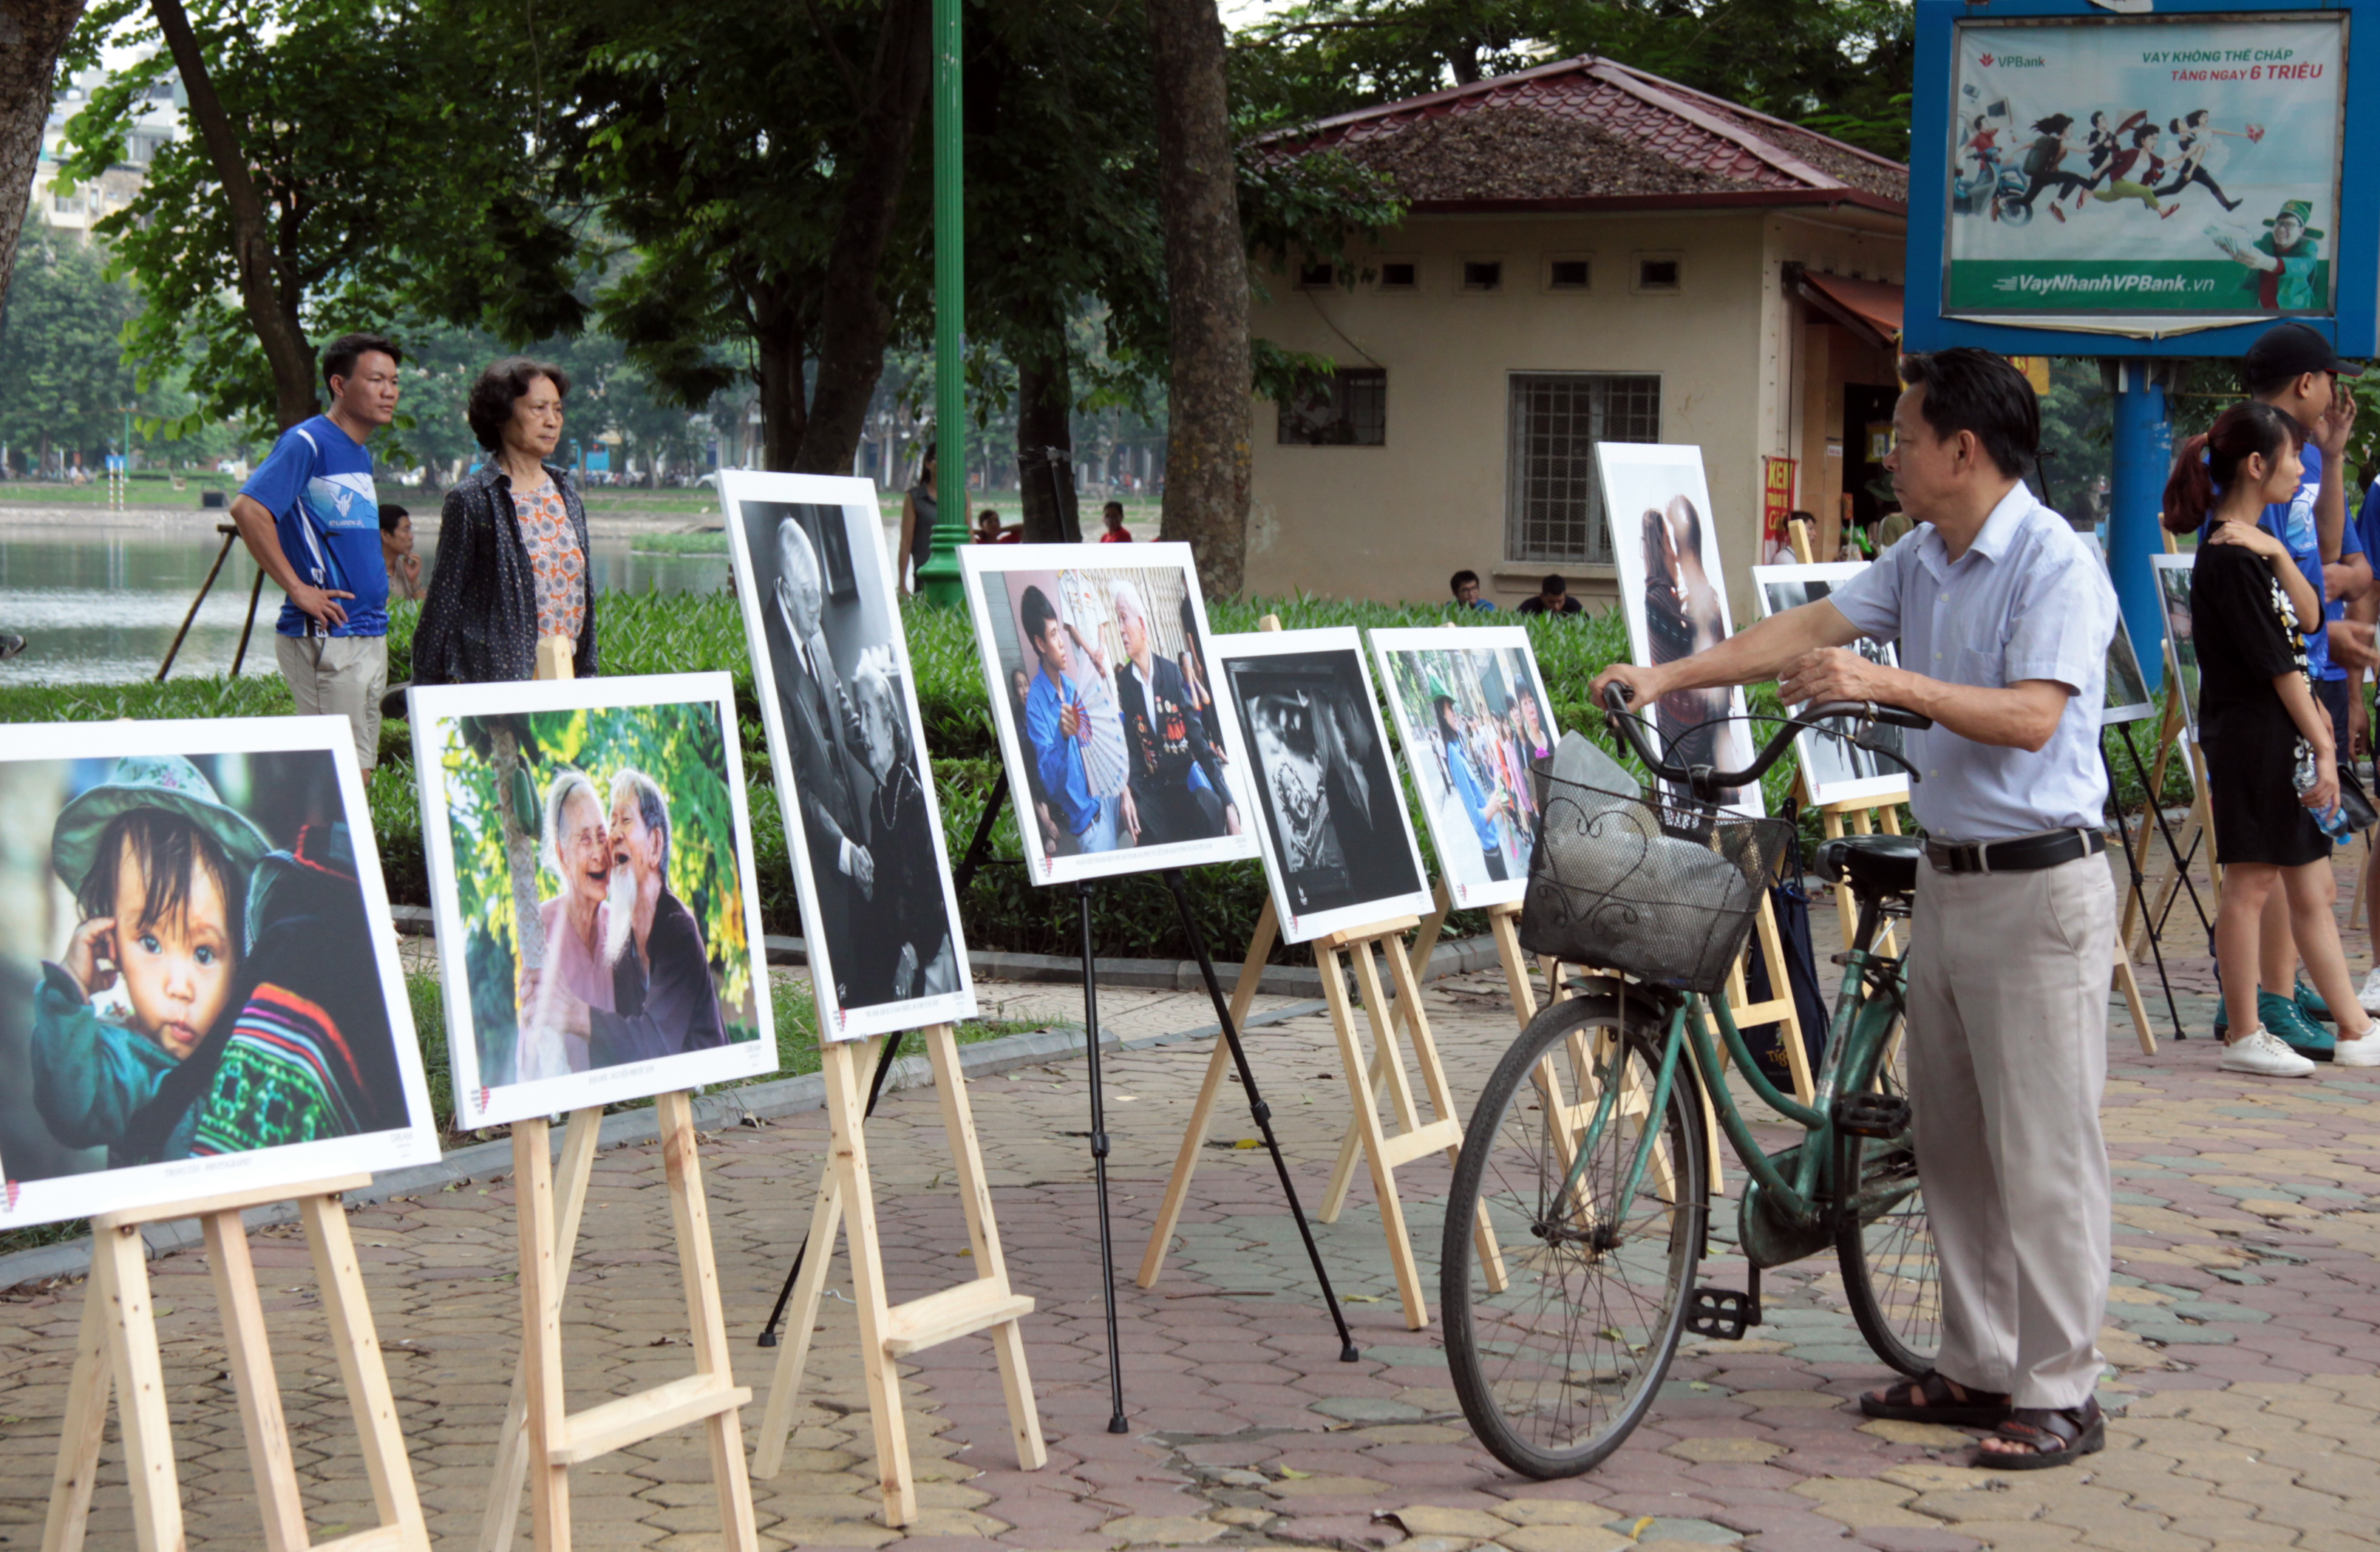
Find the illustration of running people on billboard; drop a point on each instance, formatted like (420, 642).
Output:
(2118, 131)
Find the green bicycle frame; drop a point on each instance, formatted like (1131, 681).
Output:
(1862, 1021)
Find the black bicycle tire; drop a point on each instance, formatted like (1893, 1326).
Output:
(1473, 1388)
(1851, 1250)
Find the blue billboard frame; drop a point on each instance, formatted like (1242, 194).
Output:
(2354, 330)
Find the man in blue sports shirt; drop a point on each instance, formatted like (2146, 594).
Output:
(2293, 367)
(311, 517)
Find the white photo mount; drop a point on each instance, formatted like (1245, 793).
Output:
(1823, 757)
(2172, 573)
(1084, 570)
(1344, 644)
(433, 708)
(2128, 699)
(136, 1190)
(875, 608)
(1428, 653)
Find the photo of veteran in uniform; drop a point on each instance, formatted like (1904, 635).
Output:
(846, 746)
(1338, 847)
(1113, 740)
(191, 971)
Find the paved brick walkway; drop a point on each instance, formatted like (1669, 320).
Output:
(2243, 1342)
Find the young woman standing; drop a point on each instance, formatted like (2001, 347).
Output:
(2259, 724)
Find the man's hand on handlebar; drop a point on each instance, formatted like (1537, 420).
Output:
(1836, 673)
(1642, 683)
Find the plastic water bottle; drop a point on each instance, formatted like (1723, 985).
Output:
(2334, 823)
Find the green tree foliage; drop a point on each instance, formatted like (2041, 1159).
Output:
(63, 382)
(1842, 67)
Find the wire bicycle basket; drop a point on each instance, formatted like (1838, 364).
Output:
(1622, 882)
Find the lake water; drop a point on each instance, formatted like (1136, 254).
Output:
(98, 604)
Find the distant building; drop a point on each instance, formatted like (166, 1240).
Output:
(161, 122)
(1592, 252)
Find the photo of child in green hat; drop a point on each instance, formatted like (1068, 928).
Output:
(190, 970)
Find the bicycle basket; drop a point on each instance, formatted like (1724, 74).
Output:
(1620, 881)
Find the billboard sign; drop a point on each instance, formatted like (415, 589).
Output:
(2177, 176)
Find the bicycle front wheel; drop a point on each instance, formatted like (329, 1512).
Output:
(1564, 1303)
(1891, 1275)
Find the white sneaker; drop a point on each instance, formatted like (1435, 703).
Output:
(2369, 995)
(2260, 1053)
(2362, 1051)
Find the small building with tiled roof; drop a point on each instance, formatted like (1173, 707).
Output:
(1590, 253)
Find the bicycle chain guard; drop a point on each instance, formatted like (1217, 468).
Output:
(1767, 1236)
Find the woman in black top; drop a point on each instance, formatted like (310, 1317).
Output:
(2258, 723)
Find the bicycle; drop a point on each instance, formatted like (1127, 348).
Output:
(1587, 1146)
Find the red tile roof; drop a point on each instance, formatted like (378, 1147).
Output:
(1591, 132)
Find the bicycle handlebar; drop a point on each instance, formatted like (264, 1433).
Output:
(1706, 783)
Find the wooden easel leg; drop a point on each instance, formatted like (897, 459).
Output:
(2129, 985)
(1441, 1094)
(1375, 1142)
(849, 1153)
(118, 1253)
(1502, 926)
(257, 1387)
(1343, 1168)
(346, 1309)
(983, 1238)
(801, 1324)
(540, 1290)
(501, 1522)
(690, 1211)
(85, 1425)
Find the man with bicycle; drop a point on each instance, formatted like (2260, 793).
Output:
(2003, 615)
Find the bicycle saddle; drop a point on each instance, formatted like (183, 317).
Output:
(1874, 864)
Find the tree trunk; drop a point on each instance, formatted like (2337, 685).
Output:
(783, 418)
(854, 324)
(32, 33)
(271, 313)
(1045, 454)
(1207, 286)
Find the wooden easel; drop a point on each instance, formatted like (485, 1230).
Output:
(1382, 1150)
(541, 1441)
(889, 1332)
(118, 1351)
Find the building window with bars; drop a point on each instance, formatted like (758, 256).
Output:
(1555, 503)
(1349, 408)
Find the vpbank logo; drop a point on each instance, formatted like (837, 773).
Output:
(2012, 61)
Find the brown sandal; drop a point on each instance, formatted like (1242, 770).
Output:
(1927, 1398)
(2057, 1436)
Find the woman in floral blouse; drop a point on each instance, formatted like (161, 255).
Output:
(511, 543)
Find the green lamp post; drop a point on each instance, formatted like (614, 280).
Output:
(937, 579)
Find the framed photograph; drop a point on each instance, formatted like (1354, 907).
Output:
(839, 699)
(590, 873)
(1472, 716)
(1103, 695)
(2128, 689)
(2182, 650)
(1835, 769)
(1337, 842)
(200, 990)
(1675, 602)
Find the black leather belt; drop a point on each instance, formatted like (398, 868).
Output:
(2024, 854)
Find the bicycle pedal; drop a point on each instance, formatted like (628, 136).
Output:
(1721, 1313)
(1871, 1115)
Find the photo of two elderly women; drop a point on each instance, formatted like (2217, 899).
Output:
(880, 917)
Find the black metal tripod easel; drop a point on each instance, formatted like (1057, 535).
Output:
(1230, 1033)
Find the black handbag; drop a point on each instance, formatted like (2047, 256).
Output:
(1791, 905)
(2355, 802)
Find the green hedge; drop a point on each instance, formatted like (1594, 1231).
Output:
(659, 633)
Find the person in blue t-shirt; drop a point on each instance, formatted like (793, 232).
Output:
(311, 516)
(2293, 367)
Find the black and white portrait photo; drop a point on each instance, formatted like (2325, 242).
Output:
(1834, 769)
(1337, 842)
(879, 916)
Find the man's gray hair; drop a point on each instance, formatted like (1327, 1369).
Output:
(792, 541)
(1121, 594)
(652, 807)
(557, 797)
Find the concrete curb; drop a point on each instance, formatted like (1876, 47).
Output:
(712, 1112)
(1453, 957)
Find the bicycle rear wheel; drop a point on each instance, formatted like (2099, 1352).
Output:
(1558, 1346)
(1890, 1272)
